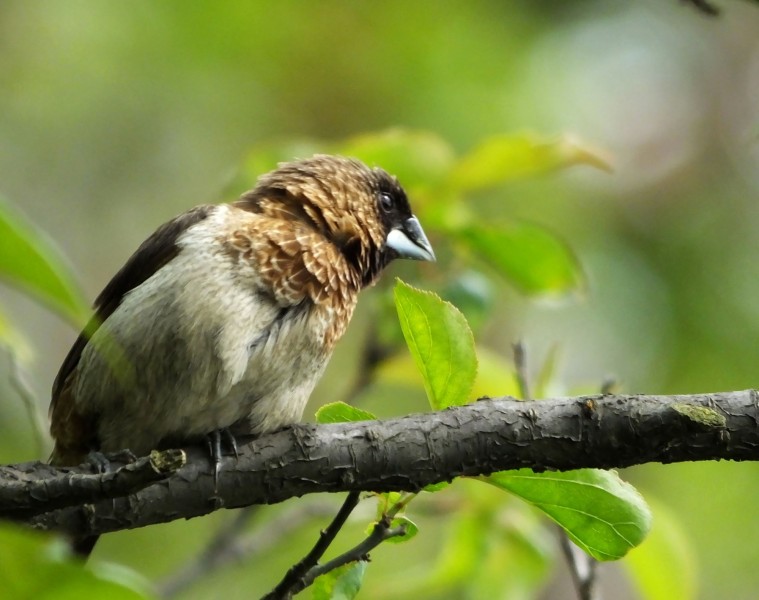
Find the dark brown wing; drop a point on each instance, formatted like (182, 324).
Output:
(152, 254)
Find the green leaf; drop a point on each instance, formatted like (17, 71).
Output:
(340, 412)
(29, 261)
(509, 157)
(411, 530)
(529, 256)
(342, 583)
(31, 566)
(602, 514)
(417, 158)
(668, 545)
(441, 343)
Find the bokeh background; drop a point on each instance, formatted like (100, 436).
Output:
(116, 116)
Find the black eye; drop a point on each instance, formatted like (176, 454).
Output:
(386, 201)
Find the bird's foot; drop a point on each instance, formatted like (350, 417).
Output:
(101, 462)
(98, 461)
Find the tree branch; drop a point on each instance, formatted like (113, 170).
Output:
(582, 567)
(380, 532)
(291, 582)
(31, 488)
(407, 453)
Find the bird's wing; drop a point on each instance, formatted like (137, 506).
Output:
(153, 253)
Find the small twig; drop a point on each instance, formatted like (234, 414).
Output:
(381, 532)
(581, 566)
(211, 555)
(228, 546)
(372, 354)
(520, 368)
(609, 385)
(401, 505)
(27, 398)
(286, 587)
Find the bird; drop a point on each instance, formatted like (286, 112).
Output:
(224, 319)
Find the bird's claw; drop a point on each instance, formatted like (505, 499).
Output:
(217, 439)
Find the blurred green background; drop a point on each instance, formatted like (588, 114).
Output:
(116, 116)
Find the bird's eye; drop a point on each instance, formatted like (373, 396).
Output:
(387, 202)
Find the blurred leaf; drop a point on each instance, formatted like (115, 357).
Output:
(489, 544)
(526, 548)
(602, 514)
(417, 158)
(266, 156)
(472, 293)
(32, 263)
(342, 583)
(435, 487)
(529, 256)
(400, 369)
(465, 547)
(32, 567)
(508, 157)
(547, 372)
(666, 545)
(495, 376)
(15, 340)
(340, 412)
(441, 343)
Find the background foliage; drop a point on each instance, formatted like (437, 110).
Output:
(115, 117)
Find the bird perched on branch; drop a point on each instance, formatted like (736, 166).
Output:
(225, 317)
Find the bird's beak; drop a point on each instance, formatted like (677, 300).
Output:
(409, 241)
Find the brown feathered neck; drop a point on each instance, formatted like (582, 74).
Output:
(333, 196)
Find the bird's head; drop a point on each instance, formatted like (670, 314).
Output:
(363, 211)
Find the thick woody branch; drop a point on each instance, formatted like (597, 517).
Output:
(407, 453)
(31, 488)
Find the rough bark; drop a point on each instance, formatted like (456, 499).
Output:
(403, 454)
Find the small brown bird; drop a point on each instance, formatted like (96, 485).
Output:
(225, 318)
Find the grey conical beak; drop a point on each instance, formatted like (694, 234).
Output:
(408, 241)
